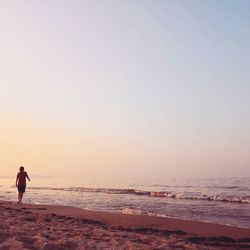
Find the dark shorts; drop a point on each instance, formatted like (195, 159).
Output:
(21, 189)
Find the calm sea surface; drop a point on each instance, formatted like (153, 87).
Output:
(223, 200)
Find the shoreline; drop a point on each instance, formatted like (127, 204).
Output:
(64, 227)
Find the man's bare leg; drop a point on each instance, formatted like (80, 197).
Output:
(19, 197)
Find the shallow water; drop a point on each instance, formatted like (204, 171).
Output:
(222, 200)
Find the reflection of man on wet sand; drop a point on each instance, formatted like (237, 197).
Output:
(21, 183)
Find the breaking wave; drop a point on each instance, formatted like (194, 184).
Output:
(155, 194)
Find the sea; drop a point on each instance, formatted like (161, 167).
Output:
(217, 200)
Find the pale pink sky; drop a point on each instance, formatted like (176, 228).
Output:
(131, 88)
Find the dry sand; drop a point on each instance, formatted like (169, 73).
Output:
(29, 226)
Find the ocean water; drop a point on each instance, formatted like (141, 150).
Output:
(218, 200)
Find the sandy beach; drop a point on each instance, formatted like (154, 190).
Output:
(29, 226)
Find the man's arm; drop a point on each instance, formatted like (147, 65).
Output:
(27, 177)
(17, 177)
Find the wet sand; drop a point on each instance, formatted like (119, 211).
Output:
(29, 226)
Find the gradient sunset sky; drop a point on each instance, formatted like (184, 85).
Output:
(125, 88)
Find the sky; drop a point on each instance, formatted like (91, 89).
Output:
(124, 89)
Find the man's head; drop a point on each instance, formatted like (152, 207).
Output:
(21, 169)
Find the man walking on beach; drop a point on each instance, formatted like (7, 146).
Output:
(21, 183)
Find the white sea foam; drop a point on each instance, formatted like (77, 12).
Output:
(135, 211)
